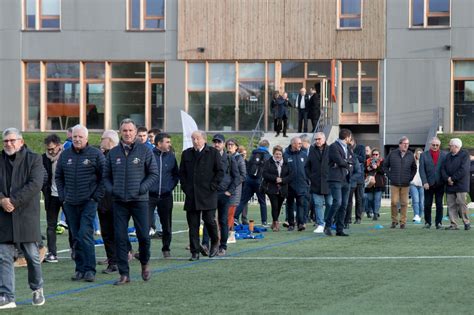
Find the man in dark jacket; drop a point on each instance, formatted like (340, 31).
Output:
(130, 172)
(79, 180)
(357, 184)
(431, 162)
(161, 194)
(400, 167)
(52, 204)
(317, 169)
(225, 190)
(298, 186)
(455, 172)
(340, 171)
(314, 108)
(200, 173)
(21, 179)
(302, 102)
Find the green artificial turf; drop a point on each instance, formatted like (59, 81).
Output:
(373, 271)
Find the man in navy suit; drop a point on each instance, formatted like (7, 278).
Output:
(340, 170)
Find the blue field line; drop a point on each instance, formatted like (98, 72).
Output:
(171, 268)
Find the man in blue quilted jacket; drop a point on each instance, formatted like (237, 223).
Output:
(130, 171)
(79, 181)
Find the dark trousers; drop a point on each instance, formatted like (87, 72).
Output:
(282, 125)
(194, 220)
(276, 202)
(314, 123)
(106, 220)
(358, 193)
(437, 192)
(251, 187)
(80, 221)
(222, 218)
(52, 213)
(138, 210)
(302, 120)
(300, 207)
(340, 196)
(164, 205)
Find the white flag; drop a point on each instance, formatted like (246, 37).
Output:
(189, 126)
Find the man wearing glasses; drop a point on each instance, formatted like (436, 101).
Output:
(431, 162)
(400, 166)
(22, 176)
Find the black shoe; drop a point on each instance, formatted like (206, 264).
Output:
(452, 228)
(166, 254)
(122, 280)
(284, 135)
(77, 276)
(357, 221)
(327, 231)
(402, 226)
(341, 234)
(110, 269)
(375, 217)
(369, 215)
(467, 227)
(394, 225)
(204, 250)
(439, 226)
(214, 250)
(301, 227)
(277, 134)
(285, 224)
(427, 226)
(194, 257)
(89, 276)
(291, 228)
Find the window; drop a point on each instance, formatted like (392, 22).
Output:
(42, 14)
(95, 95)
(463, 96)
(32, 93)
(349, 14)
(197, 93)
(146, 15)
(251, 94)
(222, 96)
(157, 102)
(430, 13)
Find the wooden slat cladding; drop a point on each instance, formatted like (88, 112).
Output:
(276, 30)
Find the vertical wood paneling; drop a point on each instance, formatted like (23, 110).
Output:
(276, 29)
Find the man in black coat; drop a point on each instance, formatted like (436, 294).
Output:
(302, 102)
(21, 179)
(400, 167)
(455, 172)
(200, 173)
(80, 188)
(317, 170)
(340, 171)
(130, 172)
(314, 107)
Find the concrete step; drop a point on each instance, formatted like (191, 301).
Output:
(280, 140)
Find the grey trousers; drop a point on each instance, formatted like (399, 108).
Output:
(457, 207)
(7, 272)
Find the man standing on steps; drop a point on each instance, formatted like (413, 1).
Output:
(302, 102)
(314, 108)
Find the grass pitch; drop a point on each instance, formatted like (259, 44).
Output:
(374, 271)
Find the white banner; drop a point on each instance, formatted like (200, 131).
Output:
(189, 126)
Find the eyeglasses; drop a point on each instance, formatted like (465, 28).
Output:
(12, 141)
(51, 149)
(318, 139)
(375, 154)
(435, 145)
(407, 143)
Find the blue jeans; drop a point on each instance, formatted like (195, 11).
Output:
(319, 201)
(80, 220)
(251, 187)
(374, 200)
(300, 207)
(417, 199)
(340, 196)
(222, 214)
(7, 272)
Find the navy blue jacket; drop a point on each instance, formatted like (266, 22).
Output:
(282, 107)
(400, 170)
(231, 174)
(457, 167)
(168, 173)
(428, 172)
(340, 167)
(79, 175)
(130, 177)
(317, 169)
(266, 156)
(296, 162)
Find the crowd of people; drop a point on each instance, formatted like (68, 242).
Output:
(133, 175)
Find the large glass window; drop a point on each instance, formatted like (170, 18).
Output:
(157, 74)
(464, 96)
(251, 94)
(430, 13)
(42, 14)
(350, 14)
(222, 96)
(197, 93)
(146, 14)
(95, 95)
(359, 87)
(33, 95)
(292, 69)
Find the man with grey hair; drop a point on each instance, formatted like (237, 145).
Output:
(400, 166)
(455, 172)
(431, 162)
(79, 181)
(22, 178)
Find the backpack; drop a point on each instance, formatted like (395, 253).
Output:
(256, 162)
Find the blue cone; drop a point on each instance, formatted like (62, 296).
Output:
(378, 227)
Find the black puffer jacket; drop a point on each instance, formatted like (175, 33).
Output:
(79, 175)
(400, 170)
(130, 177)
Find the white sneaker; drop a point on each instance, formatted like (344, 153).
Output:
(152, 231)
(231, 239)
(319, 229)
(416, 218)
(6, 302)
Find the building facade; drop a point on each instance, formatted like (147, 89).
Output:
(381, 67)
